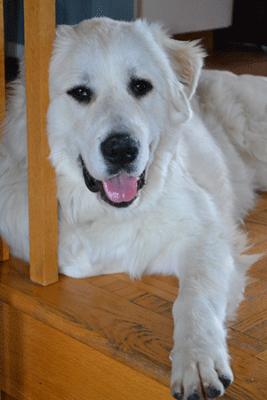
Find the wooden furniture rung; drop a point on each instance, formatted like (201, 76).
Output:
(39, 22)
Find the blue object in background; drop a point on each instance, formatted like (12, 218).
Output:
(13, 16)
(68, 12)
(71, 12)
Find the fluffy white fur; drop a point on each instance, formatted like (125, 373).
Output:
(204, 146)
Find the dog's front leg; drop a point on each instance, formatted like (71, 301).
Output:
(200, 359)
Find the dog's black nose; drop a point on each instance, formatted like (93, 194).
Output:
(119, 149)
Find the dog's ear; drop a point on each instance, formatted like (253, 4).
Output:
(64, 31)
(187, 61)
(186, 58)
(65, 36)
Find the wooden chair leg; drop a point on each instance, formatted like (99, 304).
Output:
(39, 22)
(4, 253)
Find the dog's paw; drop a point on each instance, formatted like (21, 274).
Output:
(79, 269)
(195, 372)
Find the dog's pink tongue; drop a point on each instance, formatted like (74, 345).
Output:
(122, 188)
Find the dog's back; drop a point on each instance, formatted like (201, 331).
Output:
(238, 103)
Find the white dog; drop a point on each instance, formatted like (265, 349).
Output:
(156, 165)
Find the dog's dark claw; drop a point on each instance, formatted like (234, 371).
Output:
(178, 396)
(225, 381)
(194, 396)
(212, 392)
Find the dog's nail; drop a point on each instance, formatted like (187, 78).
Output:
(194, 396)
(225, 381)
(178, 396)
(212, 392)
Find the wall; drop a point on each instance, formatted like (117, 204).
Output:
(181, 16)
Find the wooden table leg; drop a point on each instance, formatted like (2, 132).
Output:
(39, 22)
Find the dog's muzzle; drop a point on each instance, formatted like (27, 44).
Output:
(118, 191)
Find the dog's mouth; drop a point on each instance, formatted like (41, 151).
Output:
(118, 191)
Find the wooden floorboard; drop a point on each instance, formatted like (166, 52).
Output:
(130, 321)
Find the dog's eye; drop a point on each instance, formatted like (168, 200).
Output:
(81, 93)
(140, 87)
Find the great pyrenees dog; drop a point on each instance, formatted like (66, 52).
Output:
(157, 163)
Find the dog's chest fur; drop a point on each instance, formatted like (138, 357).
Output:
(132, 245)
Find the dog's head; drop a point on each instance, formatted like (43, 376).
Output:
(117, 89)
